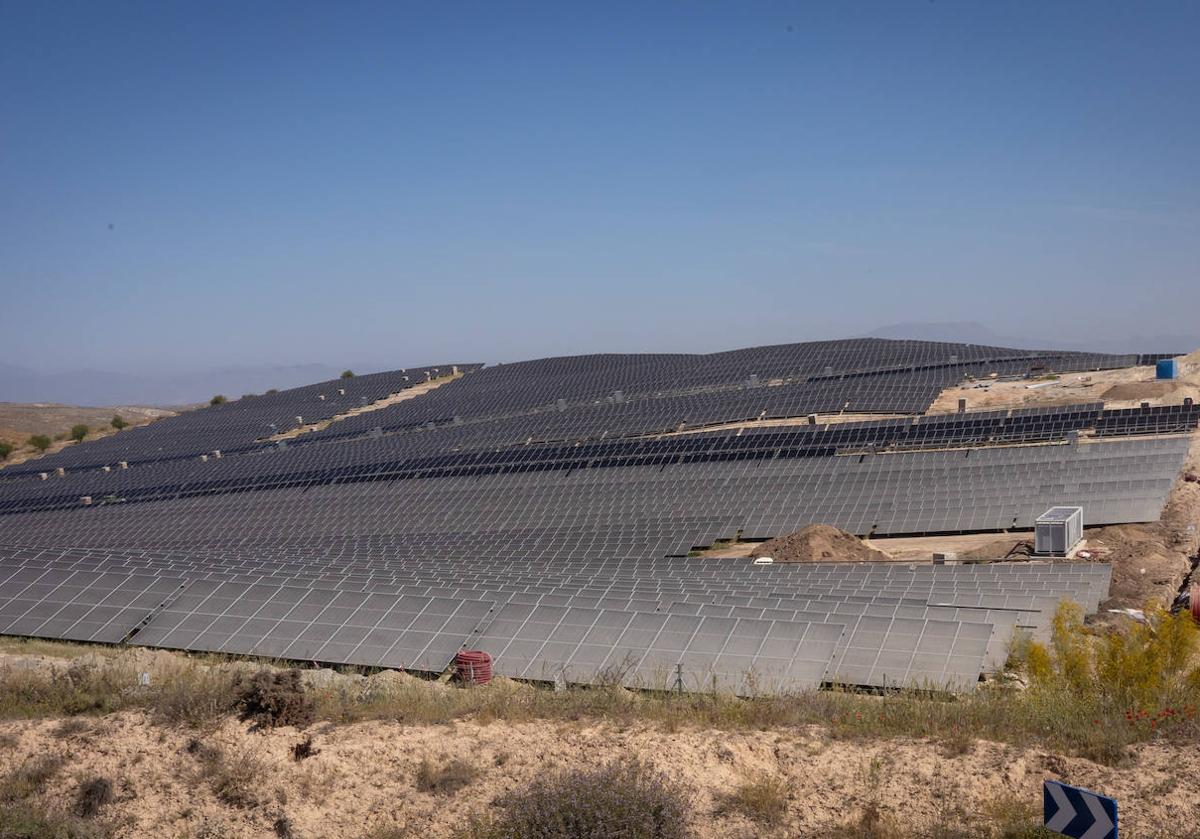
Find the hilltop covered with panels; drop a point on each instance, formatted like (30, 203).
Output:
(544, 512)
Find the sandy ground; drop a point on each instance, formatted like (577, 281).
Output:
(391, 399)
(1127, 387)
(822, 419)
(904, 548)
(363, 777)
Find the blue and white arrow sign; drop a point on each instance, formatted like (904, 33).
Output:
(1078, 813)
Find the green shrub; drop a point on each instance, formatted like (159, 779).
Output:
(1105, 693)
(1135, 668)
(624, 800)
(1071, 646)
(5, 449)
(118, 423)
(218, 400)
(78, 432)
(347, 374)
(39, 441)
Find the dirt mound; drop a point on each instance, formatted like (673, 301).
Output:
(1149, 561)
(1140, 390)
(818, 543)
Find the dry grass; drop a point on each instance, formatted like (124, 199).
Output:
(93, 796)
(23, 816)
(1089, 696)
(27, 693)
(72, 727)
(193, 695)
(624, 800)
(304, 749)
(446, 779)
(390, 831)
(761, 797)
(234, 775)
(54, 649)
(30, 778)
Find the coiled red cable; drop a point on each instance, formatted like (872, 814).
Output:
(473, 667)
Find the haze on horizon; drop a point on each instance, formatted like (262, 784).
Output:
(200, 188)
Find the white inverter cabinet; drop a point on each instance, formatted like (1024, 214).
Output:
(1058, 530)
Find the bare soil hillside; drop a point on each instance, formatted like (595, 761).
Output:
(1123, 388)
(388, 755)
(363, 780)
(18, 422)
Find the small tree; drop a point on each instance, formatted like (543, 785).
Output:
(5, 449)
(118, 423)
(272, 390)
(40, 442)
(347, 374)
(218, 400)
(78, 432)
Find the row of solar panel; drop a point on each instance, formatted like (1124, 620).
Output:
(534, 641)
(232, 427)
(643, 511)
(905, 370)
(238, 475)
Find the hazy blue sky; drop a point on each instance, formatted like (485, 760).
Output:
(298, 182)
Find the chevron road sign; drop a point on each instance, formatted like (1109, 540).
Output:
(1078, 813)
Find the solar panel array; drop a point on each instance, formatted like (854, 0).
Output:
(723, 624)
(393, 458)
(536, 511)
(232, 427)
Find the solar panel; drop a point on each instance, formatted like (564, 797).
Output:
(78, 605)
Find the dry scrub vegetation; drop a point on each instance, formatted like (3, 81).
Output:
(276, 751)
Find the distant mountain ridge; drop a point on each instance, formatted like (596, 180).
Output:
(970, 332)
